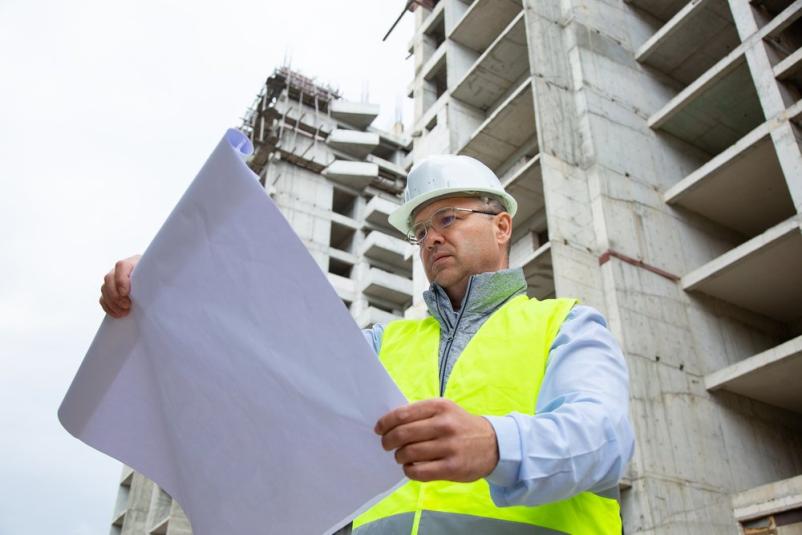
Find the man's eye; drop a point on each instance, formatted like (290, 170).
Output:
(420, 232)
(445, 220)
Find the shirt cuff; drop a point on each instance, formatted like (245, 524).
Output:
(509, 451)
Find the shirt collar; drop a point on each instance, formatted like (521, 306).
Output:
(485, 293)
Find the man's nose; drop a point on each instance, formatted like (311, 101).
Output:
(433, 237)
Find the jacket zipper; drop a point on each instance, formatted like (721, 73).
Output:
(450, 339)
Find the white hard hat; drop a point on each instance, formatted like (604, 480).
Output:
(448, 175)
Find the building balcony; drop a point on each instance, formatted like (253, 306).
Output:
(387, 168)
(377, 211)
(387, 249)
(504, 62)
(761, 275)
(695, 39)
(387, 286)
(716, 110)
(507, 129)
(356, 114)
(483, 22)
(353, 142)
(743, 188)
(771, 376)
(772, 508)
(356, 175)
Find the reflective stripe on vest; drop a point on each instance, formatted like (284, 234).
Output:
(498, 372)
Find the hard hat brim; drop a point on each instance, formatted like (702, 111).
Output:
(400, 217)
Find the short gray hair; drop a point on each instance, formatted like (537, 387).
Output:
(494, 204)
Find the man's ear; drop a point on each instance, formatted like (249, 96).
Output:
(504, 229)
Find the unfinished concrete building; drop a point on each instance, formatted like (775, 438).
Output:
(653, 146)
(335, 178)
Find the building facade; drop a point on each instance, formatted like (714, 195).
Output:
(654, 148)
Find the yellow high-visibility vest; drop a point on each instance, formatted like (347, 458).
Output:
(500, 371)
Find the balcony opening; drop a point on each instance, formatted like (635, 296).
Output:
(342, 237)
(343, 203)
(435, 34)
(339, 267)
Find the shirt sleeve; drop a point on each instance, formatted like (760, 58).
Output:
(373, 336)
(580, 438)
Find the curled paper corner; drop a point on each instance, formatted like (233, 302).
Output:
(239, 142)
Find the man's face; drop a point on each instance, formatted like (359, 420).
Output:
(470, 245)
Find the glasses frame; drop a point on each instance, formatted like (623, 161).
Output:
(428, 223)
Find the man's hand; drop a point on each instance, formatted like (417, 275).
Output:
(436, 439)
(114, 294)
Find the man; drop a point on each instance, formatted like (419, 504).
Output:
(518, 421)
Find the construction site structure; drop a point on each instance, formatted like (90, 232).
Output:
(336, 179)
(653, 148)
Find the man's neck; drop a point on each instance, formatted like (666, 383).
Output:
(456, 293)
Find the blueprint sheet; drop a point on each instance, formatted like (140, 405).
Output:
(239, 382)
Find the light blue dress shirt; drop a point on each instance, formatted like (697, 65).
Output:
(580, 437)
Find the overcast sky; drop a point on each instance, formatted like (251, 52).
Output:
(107, 111)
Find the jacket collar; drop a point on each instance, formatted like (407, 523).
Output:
(486, 292)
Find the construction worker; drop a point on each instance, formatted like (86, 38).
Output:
(518, 415)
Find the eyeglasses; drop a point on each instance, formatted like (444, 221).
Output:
(440, 220)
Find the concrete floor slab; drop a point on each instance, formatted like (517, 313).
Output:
(393, 251)
(387, 286)
(660, 9)
(354, 174)
(768, 499)
(695, 39)
(388, 169)
(492, 75)
(506, 129)
(761, 275)
(483, 22)
(702, 114)
(771, 376)
(357, 114)
(353, 142)
(376, 212)
(743, 188)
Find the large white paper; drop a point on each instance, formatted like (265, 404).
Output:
(239, 383)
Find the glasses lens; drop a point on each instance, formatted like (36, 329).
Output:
(418, 233)
(444, 218)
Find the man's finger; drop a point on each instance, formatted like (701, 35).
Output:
(109, 288)
(431, 450)
(408, 413)
(428, 470)
(107, 302)
(122, 277)
(404, 434)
